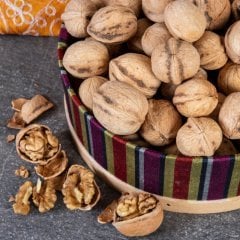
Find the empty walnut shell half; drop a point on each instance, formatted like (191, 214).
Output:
(37, 144)
(80, 189)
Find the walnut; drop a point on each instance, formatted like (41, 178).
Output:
(215, 113)
(167, 90)
(226, 148)
(136, 139)
(44, 196)
(175, 61)
(229, 78)
(119, 107)
(22, 172)
(10, 138)
(16, 121)
(236, 9)
(229, 116)
(88, 87)
(170, 149)
(113, 24)
(80, 191)
(53, 168)
(161, 124)
(199, 137)
(195, 98)
(85, 59)
(211, 50)
(135, 69)
(201, 74)
(18, 103)
(22, 204)
(154, 35)
(57, 182)
(184, 20)
(37, 144)
(232, 42)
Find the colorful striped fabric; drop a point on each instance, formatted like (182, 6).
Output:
(199, 178)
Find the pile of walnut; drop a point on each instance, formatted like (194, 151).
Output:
(174, 85)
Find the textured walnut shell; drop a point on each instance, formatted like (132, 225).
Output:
(232, 42)
(161, 124)
(135, 69)
(154, 35)
(18, 103)
(229, 78)
(211, 50)
(195, 98)
(215, 113)
(201, 74)
(76, 16)
(236, 9)
(119, 107)
(184, 20)
(113, 24)
(175, 61)
(229, 116)
(199, 137)
(226, 148)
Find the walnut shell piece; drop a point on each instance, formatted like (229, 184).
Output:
(18, 103)
(119, 107)
(229, 116)
(85, 59)
(113, 24)
(226, 148)
(16, 121)
(175, 61)
(195, 98)
(161, 124)
(80, 190)
(135, 69)
(37, 144)
(199, 137)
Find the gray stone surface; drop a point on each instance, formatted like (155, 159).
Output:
(28, 66)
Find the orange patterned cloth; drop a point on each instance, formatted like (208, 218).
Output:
(31, 17)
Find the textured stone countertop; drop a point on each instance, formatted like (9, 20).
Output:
(28, 66)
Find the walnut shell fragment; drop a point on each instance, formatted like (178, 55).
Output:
(22, 172)
(37, 144)
(10, 138)
(80, 190)
(53, 168)
(16, 121)
(22, 204)
(18, 103)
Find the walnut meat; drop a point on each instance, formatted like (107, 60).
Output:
(135, 69)
(211, 50)
(22, 172)
(175, 61)
(154, 35)
(113, 24)
(85, 59)
(184, 20)
(226, 148)
(119, 107)
(229, 116)
(161, 124)
(195, 98)
(199, 137)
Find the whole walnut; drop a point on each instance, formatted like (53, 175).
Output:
(201, 74)
(216, 12)
(215, 113)
(85, 59)
(113, 24)
(184, 20)
(236, 9)
(211, 50)
(195, 98)
(175, 61)
(119, 107)
(199, 137)
(161, 124)
(154, 9)
(135, 69)
(154, 35)
(77, 15)
(226, 148)
(229, 78)
(232, 42)
(229, 116)
(88, 87)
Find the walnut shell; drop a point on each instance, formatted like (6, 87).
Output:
(201, 74)
(113, 24)
(229, 78)
(175, 61)
(119, 107)
(76, 16)
(211, 50)
(236, 9)
(232, 42)
(229, 116)
(215, 113)
(85, 59)
(199, 137)
(161, 124)
(184, 20)
(154, 35)
(226, 148)
(88, 87)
